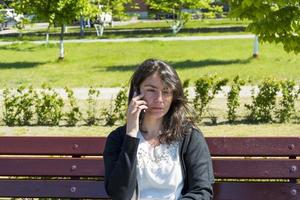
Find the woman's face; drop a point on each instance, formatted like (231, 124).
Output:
(157, 95)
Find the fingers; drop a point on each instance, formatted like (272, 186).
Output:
(137, 101)
(137, 97)
(137, 104)
(138, 108)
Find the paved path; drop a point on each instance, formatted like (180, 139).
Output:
(184, 38)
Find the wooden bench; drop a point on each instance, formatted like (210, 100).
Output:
(72, 167)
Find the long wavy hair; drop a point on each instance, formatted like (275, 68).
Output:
(178, 120)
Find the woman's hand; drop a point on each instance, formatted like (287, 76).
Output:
(135, 107)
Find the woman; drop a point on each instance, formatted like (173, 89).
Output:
(159, 154)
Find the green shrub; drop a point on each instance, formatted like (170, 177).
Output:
(18, 106)
(206, 88)
(74, 114)
(287, 102)
(233, 99)
(48, 106)
(263, 105)
(185, 86)
(117, 110)
(92, 107)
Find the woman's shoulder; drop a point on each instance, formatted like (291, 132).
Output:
(192, 130)
(193, 136)
(118, 133)
(115, 139)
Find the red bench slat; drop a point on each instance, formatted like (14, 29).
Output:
(52, 188)
(227, 146)
(52, 145)
(256, 191)
(51, 167)
(256, 168)
(254, 146)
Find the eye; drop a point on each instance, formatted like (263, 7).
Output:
(150, 90)
(166, 92)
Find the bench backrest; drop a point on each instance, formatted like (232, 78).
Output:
(72, 167)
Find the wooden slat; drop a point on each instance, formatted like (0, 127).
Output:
(254, 146)
(256, 191)
(52, 145)
(219, 146)
(256, 168)
(51, 167)
(52, 188)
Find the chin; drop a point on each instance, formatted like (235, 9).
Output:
(156, 115)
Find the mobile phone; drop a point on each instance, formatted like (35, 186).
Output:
(142, 113)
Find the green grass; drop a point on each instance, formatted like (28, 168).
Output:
(219, 130)
(26, 38)
(111, 64)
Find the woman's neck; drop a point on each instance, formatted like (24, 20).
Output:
(151, 127)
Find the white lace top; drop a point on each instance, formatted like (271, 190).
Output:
(159, 172)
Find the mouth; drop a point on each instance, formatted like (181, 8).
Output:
(157, 108)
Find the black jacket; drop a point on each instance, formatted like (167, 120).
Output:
(120, 166)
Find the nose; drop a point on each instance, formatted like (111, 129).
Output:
(159, 96)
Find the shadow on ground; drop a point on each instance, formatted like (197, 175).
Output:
(185, 64)
(19, 65)
(21, 47)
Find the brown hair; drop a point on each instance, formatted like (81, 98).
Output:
(177, 121)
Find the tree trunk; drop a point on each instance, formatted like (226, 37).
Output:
(255, 47)
(177, 22)
(81, 26)
(47, 34)
(61, 43)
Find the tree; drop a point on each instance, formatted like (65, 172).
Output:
(58, 12)
(42, 10)
(115, 7)
(109, 9)
(66, 12)
(2, 18)
(176, 8)
(272, 21)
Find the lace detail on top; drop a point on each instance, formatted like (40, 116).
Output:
(159, 171)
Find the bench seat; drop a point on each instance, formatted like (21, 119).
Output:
(245, 168)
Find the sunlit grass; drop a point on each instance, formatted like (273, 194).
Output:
(241, 130)
(111, 64)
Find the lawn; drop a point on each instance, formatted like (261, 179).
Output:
(111, 64)
(111, 35)
(242, 130)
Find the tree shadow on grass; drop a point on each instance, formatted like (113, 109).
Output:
(237, 122)
(24, 47)
(207, 62)
(19, 65)
(187, 64)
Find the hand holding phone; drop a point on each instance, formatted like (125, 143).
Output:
(135, 107)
